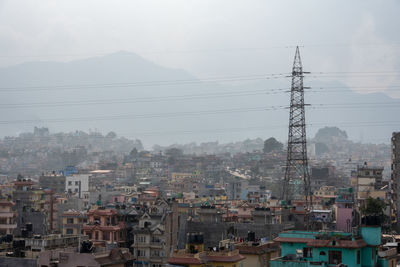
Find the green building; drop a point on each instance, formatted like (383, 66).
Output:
(330, 248)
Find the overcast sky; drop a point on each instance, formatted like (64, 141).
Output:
(356, 42)
(209, 37)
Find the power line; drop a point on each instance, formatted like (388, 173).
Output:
(145, 83)
(209, 112)
(193, 81)
(142, 99)
(185, 51)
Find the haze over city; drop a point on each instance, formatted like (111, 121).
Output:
(242, 60)
(208, 133)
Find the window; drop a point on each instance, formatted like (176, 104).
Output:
(358, 257)
(70, 231)
(106, 236)
(69, 182)
(141, 239)
(335, 257)
(70, 220)
(96, 235)
(322, 253)
(156, 253)
(76, 182)
(307, 252)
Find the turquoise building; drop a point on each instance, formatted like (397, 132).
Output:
(330, 248)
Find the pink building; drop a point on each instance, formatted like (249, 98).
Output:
(344, 209)
(104, 225)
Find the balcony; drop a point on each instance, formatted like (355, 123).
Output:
(7, 214)
(387, 253)
(8, 226)
(141, 245)
(156, 259)
(156, 244)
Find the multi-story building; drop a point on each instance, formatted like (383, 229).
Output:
(30, 207)
(78, 185)
(325, 248)
(395, 178)
(368, 182)
(53, 181)
(257, 254)
(116, 257)
(7, 217)
(72, 222)
(195, 255)
(104, 226)
(155, 236)
(345, 213)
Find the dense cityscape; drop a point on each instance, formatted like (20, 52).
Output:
(185, 133)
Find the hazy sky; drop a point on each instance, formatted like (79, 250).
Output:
(209, 37)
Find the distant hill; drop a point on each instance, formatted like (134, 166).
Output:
(139, 99)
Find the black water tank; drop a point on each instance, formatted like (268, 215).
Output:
(29, 227)
(251, 236)
(24, 233)
(9, 238)
(195, 238)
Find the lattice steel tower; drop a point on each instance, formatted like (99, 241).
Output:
(297, 176)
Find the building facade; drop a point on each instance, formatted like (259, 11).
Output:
(395, 179)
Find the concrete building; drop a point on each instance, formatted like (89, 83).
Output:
(113, 258)
(368, 182)
(195, 255)
(7, 217)
(78, 185)
(395, 178)
(344, 206)
(50, 242)
(257, 254)
(53, 181)
(72, 222)
(104, 226)
(325, 248)
(156, 235)
(30, 207)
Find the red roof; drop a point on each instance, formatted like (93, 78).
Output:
(359, 243)
(232, 258)
(260, 249)
(293, 239)
(184, 260)
(102, 212)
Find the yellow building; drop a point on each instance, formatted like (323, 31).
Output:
(195, 256)
(220, 258)
(258, 255)
(72, 222)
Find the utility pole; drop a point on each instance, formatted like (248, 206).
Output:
(297, 176)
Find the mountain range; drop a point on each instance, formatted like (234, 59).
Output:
(136, 98)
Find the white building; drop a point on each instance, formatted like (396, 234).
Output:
(78, 185)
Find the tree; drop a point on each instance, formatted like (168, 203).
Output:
(271, 144)
(133, 152)
(374, 206)
(111, 135)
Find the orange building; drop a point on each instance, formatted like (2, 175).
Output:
(104, 226)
